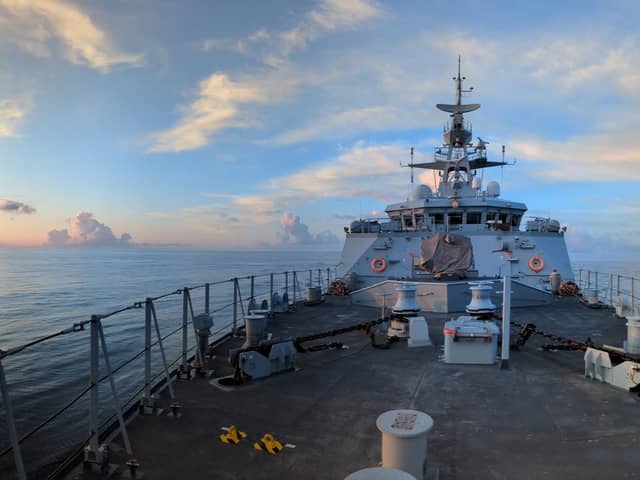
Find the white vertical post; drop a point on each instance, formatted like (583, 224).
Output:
(11, 425)
(506, 317)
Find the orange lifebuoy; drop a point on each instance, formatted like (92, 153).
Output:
(378, 264)
(536, 263)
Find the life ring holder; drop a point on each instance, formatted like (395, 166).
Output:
(378, 264)
(536, 263)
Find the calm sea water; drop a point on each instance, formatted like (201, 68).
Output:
(43, 291)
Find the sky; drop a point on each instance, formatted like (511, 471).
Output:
(275, 124)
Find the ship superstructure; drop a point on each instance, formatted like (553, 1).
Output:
(459, 207)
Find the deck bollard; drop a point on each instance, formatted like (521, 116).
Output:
(404, 440)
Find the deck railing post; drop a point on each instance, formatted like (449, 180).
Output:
(633, 297)
(252, 287)
(164, 358)
(185, 320)
(146, 397)
(328, 279)
(11, 425)
(131, 462)
(286, 283)
(235, 305)
(597, 291)
(310, 278)
(506, 317)
(580, 278)
(295, 286)
(207, 297)
(93, 452)
(320, 279)
(588, 278)
(618, 286)
(271, 292)
(611, 289)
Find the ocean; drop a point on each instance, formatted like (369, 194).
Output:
(45, 290)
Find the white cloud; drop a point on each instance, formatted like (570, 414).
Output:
(85, 231)
(606, 156)
(12, 113)
(34, 25)
(221, 102)
(217, 106)
(292, 229)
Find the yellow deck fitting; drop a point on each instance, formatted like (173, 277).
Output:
(268, 443)
(233, 436)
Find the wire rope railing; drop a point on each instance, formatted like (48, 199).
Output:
(263, 287)
(609, 289)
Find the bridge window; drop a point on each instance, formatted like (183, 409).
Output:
(438, 218)
(474, 218)
(455, 219)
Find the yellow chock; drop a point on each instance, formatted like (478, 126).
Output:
(268, 443)
(233, 436)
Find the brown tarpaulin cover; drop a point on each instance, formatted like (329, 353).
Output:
(446, 254)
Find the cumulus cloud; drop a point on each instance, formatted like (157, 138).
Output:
(293, 230)
(34, 25)
(14, 207)
(85, 231)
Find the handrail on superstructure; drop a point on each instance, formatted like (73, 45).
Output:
(276, 281)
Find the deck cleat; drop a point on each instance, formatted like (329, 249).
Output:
(269, 443)
(233, 436)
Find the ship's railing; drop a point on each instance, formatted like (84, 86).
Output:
(613, 290)
(234, 297)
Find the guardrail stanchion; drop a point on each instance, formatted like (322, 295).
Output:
(235, 305)
(147, 398)
(206, 297)
(184, 367)
(295, 281)
(328, 279)
(93, 453)
(271, 292)
(11, 425)
(164, 358)
(286, 283)
(132, 463)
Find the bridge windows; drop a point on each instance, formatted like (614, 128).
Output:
(474, 218)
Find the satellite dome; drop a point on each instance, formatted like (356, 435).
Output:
(421, 191)
(493, 189)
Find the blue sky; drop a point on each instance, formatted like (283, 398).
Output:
(269, 124)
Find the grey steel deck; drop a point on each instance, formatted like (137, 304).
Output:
(540, 419)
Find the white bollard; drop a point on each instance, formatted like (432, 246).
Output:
(380, 473)
(633, 335)
(404, 440)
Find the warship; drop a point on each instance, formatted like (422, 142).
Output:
(460, 229)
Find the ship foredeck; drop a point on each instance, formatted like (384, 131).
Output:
(539, 419)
